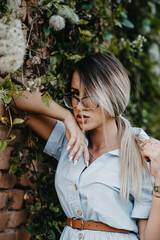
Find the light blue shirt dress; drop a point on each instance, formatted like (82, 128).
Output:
(94, 194)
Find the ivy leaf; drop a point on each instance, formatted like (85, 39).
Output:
(13, 168)
(128, 23)
(38, 206)
(118, 23)
(4, 120)
(74, 57)
(46, 30)
(52, 234)
(70, 13)
(3, 145)
(30, 228)
(12, 137)
(18, 121)
(87, 7)
(108, 36)
(46, 99)
(83, 22)
(7, 99)
(7, 83)
(85, 32)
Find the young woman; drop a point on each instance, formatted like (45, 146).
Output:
(102, 179)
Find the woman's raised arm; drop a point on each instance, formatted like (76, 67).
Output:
(42, 120)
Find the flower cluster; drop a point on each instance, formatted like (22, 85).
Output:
(34, 85)
(137, 44)
(134, 46)
(12, 46)
(36, 60)
(57, 23)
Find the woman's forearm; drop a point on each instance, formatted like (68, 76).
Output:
(32, 103)
(152, 230)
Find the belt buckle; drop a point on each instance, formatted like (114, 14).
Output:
(82, 228)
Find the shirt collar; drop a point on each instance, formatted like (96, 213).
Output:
(114, 152)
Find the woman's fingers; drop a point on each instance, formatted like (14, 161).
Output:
(78, 154)
(76, 141)
(71, 142)
(86, 155)
(151, 150)
(150, 141)
(79, 148)
(74, 148)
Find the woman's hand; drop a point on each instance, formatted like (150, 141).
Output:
(151, 150)
(76, 140)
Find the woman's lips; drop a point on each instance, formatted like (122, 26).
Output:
(82, 118)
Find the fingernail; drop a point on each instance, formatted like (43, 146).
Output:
(68, 148)
(141, 144)
(87, 163)
(75, 162)
(70, 159)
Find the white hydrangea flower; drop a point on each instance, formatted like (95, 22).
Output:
(3, 30)
(15, 34)
(67, 15)
(154, 54)
(6, 47)
(57, 23)
(10, 63)
(15, 23)
(14, 3)
(12, 46)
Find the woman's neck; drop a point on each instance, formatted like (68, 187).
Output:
(104, 137)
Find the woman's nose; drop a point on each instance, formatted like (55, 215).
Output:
(80, 106)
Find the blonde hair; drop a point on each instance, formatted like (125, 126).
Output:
(105, 78)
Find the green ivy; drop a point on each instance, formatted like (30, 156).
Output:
(126, 29)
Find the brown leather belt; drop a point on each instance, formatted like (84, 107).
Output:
(81, 224)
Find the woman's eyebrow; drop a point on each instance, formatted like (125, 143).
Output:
(75, 89)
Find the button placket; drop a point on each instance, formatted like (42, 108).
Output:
(75, 197)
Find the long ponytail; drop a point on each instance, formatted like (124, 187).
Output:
(131, 159)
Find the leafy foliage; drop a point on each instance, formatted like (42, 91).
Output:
(127, 29)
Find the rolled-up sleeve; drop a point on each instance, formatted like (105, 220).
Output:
(55, 141)
(142, 206)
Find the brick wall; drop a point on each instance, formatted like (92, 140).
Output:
(13, 214)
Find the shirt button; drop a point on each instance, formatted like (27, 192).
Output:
(80, 235)
(75, 186)
(79, 212)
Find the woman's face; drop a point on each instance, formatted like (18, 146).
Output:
(87, 119)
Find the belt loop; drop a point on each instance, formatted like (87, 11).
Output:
(82, 228)
(71, 222)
